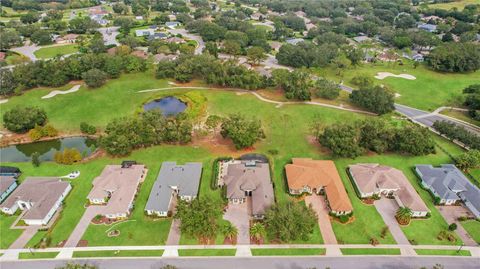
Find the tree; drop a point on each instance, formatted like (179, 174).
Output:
(243, 132)
(232, 47)
(124, 23)
(257, 231)
(455, 57)
(256, 54)
(97, 44)
(375, 135)
(68, 156)
(212, 49)
(229, 231)
(199, 218)
(452, 227)
(453, 131)
(468, 160)
(290, 221)
(36, 159)
(297, 85)
(355, 55)
(414, 140)
(42, 37)
(82, 25)
(22, 119)
(94, 78)
(376, 99)
(362, 81)
(403, 215)
(120, 8)
(87, 128)
(30, 17)
(342, 139)
(326, 89)
(8, 84)
(9, 39)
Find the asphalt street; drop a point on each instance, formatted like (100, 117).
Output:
(384, 262)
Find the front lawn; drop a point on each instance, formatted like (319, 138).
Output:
(370, 251)
(288, 251)
(37, 255)
(8, 235)
(443, 252)
(118, 253)
(206, 252)
(473, 229)
(53, 51)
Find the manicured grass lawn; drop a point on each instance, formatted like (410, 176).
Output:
(370, 251)
(443, 252)
(459, 4)
(50, 52)
(15, 58)
(461, 116)
(37, 255)
(206, 252)
(118, 253)
(8, 236)
(287, 251)
(428, 91)
(473, 229)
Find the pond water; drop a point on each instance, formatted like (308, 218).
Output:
(23, 152)
(170, 106)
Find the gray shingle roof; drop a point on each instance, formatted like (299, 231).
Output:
(6, 182)
(185, 178)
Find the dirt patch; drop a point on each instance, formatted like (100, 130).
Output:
(61, 244)
(350, 220)
(102, 220)
(276, 95)
(82, 243)
(228, 241)
(260, 241)
(218, 145)
(368, 201)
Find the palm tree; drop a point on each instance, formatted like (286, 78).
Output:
(403, 215)
(229, 231)
(257, 231)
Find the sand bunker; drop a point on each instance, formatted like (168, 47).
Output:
(54, 93)
(3, 101)
(382, 75)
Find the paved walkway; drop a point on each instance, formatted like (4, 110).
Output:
(451, 215)
(174, 234)
(319, 205)
(239, 216)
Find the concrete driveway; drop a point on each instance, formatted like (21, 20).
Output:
(387, 209)
(239, 216)
(451, 214)
(82, 225)
(320, 206)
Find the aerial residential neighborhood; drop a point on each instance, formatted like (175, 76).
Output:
(286, 134)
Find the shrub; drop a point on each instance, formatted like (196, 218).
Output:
(343, 218)
(22, 119)
(374, 241)
(36, 159)
(243, 132)
(452, 227)
(68, 156)
(94, 78)
(40, 132)
(87, 128)
(376, 99)
(459, 133)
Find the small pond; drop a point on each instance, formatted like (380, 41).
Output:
(170, 106)
(23, 152)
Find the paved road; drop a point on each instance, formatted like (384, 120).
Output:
(27, 50)
(185, 33)
(263, 262)
(109, 35)
(424, 117)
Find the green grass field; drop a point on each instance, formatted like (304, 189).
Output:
(37, 255)
(473, 229)
(50, 52)
(206, 252)
(459, 4)
(118, 253)
(370, 251)
(8, 235)
(429, 91)
(287, 251)
(443, 252)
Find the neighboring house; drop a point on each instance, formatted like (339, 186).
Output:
(428, 27)
(172, 24)
(275, 45)
(9, 171)
(144, 32)
(257, 16)
(250, 178)
(7, 185)
(305, 175)
(173, 181)
(175, 40)
(387, 56)
(450, 185)
(66, 39)
(374, 179)
(360, 39)
(140, 54)
(294, 41)
(39, 197)
(164, 57)
(116, 188)
(417, 57)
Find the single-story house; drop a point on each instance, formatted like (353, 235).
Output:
(7, 185)
(375, 179)
(275, 45)
(66, 39)
(250, 178)
(157, 36)
(173, 181)
(361, 38)
(417, 57)
(257, 16)
(144, 32)
(172, 24)
(116, 188)
(450, 185)
(428, 27)
(305, 175)
(294, 41)
(164, 57)
(10, 171)
(40, 197)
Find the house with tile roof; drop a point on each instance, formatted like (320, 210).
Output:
(305, 175)
(173, 181)
(375, 179)
(450, 185)
(39, 197)
(250, 179)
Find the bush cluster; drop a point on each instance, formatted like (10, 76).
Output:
(459, 133)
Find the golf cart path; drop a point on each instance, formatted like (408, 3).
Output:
(56, 92)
